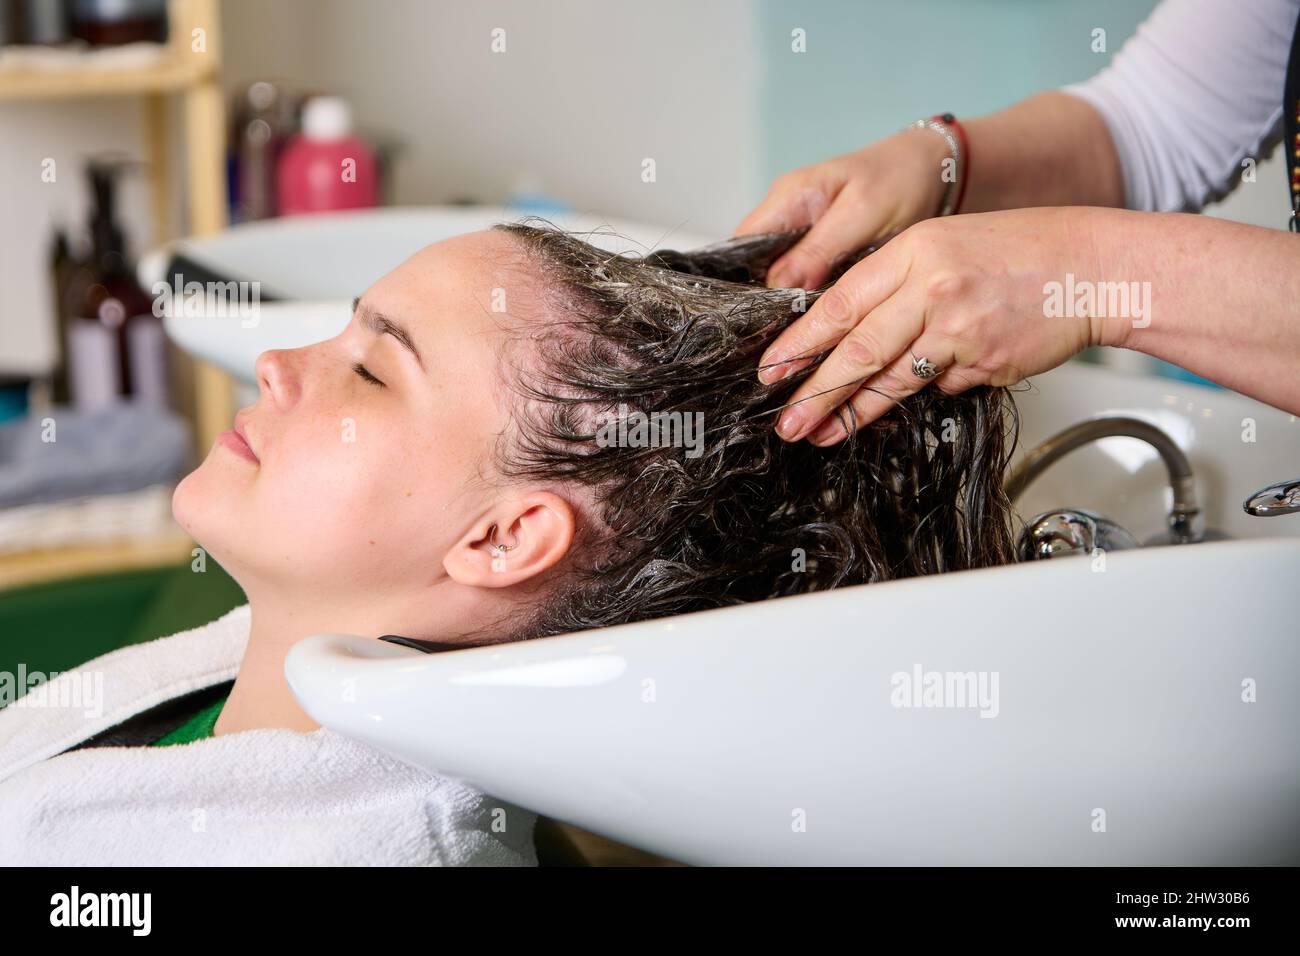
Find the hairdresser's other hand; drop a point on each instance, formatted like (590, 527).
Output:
(850, 202)
(968, 293)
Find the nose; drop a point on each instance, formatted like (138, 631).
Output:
(277, 378)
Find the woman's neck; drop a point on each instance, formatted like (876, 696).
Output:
(261, 697)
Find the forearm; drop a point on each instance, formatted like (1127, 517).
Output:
(1224, 297)
(1052, 149)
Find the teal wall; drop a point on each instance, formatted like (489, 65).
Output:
(873, 66)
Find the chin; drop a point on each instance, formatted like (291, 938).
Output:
(183, 502)
(206, 508)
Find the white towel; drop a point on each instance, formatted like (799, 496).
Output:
(259, 797)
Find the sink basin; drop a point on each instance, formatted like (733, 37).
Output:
(1115, 728)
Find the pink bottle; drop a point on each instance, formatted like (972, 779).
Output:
(326, 167)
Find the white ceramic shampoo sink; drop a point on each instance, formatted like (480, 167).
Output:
(1147, 714)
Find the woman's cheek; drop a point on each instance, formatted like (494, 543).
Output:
(356, 480)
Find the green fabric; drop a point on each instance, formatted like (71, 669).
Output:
(55, 626)
(196, 728)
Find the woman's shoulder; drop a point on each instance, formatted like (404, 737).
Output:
(259, 797)
(62, 710)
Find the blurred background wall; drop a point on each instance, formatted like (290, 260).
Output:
(873, 65)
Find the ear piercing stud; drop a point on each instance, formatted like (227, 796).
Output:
(498, 551)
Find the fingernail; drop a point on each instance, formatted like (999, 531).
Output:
(771, 370)
(786, 277)
(778, 370)
(789, 425)
(826, 431)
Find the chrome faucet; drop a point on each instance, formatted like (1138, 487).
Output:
(1280, 499)
(1070, 530)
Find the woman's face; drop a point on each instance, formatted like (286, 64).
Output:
(368, 444)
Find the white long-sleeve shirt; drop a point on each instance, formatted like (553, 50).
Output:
(1196, 91)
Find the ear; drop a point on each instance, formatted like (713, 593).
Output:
(536, 529)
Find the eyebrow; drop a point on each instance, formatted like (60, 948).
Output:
(382, 325)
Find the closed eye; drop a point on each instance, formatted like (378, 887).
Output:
(365, 373)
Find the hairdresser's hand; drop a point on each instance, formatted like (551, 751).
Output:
(850, 202)
(965, 292)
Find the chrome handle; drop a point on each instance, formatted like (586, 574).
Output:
(1070, 531)
(1280, 499)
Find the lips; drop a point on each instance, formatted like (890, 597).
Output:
(241, 429)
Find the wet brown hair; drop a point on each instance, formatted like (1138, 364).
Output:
(752, 517)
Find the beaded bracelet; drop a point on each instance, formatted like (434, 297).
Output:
(946, 125)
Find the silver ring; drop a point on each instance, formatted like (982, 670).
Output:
(923, 368)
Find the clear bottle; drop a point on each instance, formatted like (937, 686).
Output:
(37, 22)
(260, 127)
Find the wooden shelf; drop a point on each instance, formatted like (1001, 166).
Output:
(178, 66)
(193, 75)
(93, 81)
(35, 567)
